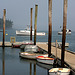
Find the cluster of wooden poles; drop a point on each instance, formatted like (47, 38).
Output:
(49, 28)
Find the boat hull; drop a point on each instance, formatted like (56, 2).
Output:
(28, 33)
(68, 33)
(30, 55)
(59, 71)
(23, 45)
(55, 73)
(22, 33)
(45, 60)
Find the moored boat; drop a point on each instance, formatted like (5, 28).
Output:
(31, 48)
(45, 59)
(22, 46)
(32, 51)
(14, 45)
(68, 31)
(59, 71)
(29, 55)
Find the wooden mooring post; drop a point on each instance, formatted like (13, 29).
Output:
(4, 15)
(35, 25)
(31, 25)
(64, 32)
(50, 27)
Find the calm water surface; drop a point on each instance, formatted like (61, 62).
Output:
(12, 64)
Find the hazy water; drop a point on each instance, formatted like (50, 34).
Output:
(69, 38)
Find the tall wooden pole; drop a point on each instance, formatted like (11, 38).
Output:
(50, 26)
(4, 27)
(64, 32)
(35, 25)
(31, 26)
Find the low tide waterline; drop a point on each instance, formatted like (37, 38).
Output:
(69, 38)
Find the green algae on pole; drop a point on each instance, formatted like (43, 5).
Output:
(35, 25)
(50, 26)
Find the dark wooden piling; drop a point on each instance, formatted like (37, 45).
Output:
(50, 26)
(31, 25)
(64, 32)
(4, 27)
(35, 25)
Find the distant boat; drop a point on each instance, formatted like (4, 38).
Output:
(45, 60)
(68, 31)
(26, 32)
(59, 71)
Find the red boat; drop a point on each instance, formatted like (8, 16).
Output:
(15, 46)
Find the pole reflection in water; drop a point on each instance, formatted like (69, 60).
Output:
(48, 72)
(3, 61)
(34, 66)
(30, 68)
(34, 69)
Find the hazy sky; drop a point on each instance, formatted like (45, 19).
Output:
(19, 12)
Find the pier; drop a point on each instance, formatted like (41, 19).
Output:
(69, 56)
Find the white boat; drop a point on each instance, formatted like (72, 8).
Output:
(31, 48)
(26, 32)
(30, 55)
(45, 60)
(59, 71)
(67, 32)
(22, 46)
(32, 51)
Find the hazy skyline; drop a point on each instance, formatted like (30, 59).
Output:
(19, 12)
